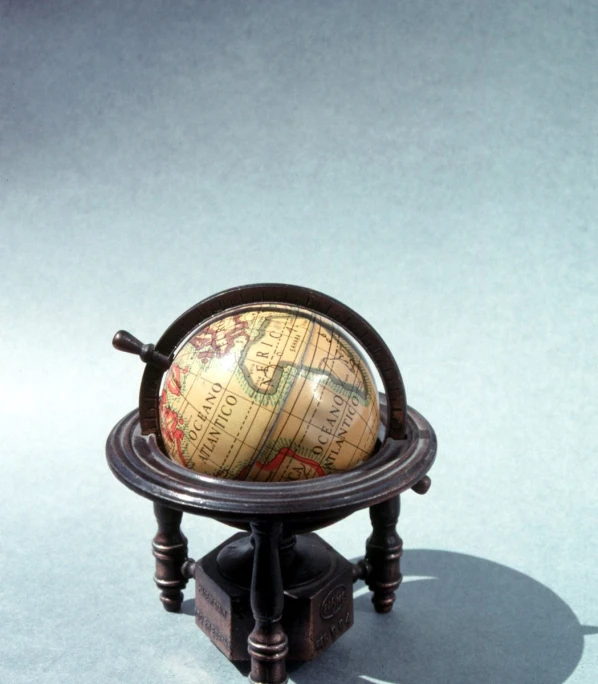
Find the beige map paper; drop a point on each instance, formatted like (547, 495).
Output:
(269, 394)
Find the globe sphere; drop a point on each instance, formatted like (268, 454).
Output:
(269, 393)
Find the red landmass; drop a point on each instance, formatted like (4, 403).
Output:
(173, 383)
(274, 464)
(171, 431)
(212, 342)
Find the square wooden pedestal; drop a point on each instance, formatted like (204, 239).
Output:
(316, 612)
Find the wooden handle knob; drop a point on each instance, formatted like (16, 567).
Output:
(124, 341)
(422, 486)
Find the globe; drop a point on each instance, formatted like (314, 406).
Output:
(269, 393)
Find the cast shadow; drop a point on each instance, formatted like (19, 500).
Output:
(188, 607)
(458, 620)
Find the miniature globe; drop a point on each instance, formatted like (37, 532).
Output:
(269, 393)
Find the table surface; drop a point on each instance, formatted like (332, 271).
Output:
(434, 166)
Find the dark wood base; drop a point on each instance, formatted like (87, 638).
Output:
(317, 596)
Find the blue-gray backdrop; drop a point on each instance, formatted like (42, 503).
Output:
(432, 164)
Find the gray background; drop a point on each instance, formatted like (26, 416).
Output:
(433, 165)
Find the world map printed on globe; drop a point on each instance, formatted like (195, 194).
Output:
(269, 393)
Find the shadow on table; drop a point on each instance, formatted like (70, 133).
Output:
(458, 620)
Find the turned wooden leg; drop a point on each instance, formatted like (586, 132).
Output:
(384, 549)
(170, 550)
(267, 644)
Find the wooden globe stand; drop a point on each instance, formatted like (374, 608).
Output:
(277, 590)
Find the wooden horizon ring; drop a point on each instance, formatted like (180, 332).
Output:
(137, 461)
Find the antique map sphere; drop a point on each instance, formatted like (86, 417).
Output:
(269, 392)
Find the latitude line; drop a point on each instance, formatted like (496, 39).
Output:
(260, 406)
(309, 331)
(210, 423)
(363, 451)
(315, 327)
(359, 374)
(264, 439)
(335, 336)
(309, 424)
(201, 442)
